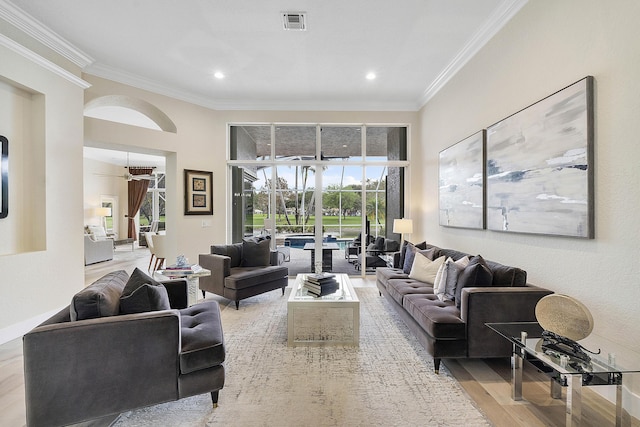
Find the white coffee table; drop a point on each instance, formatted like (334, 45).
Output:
(332, 319)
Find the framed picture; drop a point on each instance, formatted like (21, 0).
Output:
(461, 183)
(4, 177)
(198, 195)
(540, 166)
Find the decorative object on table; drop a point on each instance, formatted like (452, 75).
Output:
(461, 183)
(198, 194)
(540, 166)
(564, 315)
(4, 177)
(565, 320)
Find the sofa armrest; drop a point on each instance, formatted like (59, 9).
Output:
(220, 267)
(71, 368)
(495, 305)
(177, 290)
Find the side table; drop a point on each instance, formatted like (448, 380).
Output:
(192, 281)
(527, 342)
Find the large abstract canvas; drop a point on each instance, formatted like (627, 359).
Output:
(539, 166)
(462, 184)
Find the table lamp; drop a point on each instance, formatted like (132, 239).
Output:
(403, 226)
(103, 213)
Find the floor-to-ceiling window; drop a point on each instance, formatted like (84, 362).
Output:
(312, 183)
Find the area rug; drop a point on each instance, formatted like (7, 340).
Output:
(387, 381)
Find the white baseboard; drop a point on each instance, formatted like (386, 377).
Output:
(19, 329)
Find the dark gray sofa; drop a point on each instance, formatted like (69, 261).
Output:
(242, 270)
(105, 363)
(449, 330)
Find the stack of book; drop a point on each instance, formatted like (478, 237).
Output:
(183, 269)
(320, 284)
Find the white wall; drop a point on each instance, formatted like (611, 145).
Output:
(547, 46)
(103, 179)
(45, 131)
(200, 143)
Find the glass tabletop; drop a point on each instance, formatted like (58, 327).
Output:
(602, 363)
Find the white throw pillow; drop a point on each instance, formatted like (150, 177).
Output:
(441, 278)
(98, 232)
(424, 269)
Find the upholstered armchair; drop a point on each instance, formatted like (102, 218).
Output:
(242, 270)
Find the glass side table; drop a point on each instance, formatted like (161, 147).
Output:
(191, 277)
(527, 345)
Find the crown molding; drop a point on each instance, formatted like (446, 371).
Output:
(496, 21)
(42, 62)
(136, 81)
(30, 26)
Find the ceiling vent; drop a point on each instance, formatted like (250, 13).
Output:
(294, 21)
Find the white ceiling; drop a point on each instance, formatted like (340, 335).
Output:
(174, 47)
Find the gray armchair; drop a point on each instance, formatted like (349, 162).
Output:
(88, 361)
(97, 250)
(242, 270)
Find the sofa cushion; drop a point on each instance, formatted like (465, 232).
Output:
(137, 279)
(233, 251)
(440, 319)
(503, 275)
(403, 251)
(146, 298)
(202, 341)
(424, 269)
(475, 274)
(246, 277)
(101, 298)
(255, 254)
(398, 288)
(451, 272)
(384, 274)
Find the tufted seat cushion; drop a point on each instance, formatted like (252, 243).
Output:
(246, 277)
(202, 341)
(399, 288)
(440, 319)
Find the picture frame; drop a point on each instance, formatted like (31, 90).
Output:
(198, 193)
(4, 177)
(539, 167)
(461, 183)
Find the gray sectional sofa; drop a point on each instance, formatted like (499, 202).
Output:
(124, 342)
(455, 328)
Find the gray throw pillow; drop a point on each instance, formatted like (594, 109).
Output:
(100, 299)
(137, 279)
(475, 275)
(145, 298)
(255, 254)
(403, 251)
(233, 251)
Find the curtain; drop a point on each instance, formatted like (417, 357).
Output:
(137, 192)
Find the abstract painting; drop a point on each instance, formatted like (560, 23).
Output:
(461, 183)
(539, 166)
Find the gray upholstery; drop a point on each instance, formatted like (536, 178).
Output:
(447, 331)
(76, 371)
(240, 282)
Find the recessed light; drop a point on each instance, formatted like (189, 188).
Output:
(218, 75)
(371, 76)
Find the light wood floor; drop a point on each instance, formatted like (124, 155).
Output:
(487, 382)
